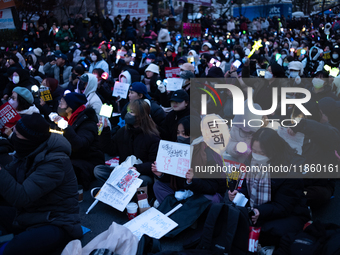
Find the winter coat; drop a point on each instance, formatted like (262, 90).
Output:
(56, 70)
(25, 81)
(157, 112)
(43, 187)
(93, 101)
(102, 64)
(163, 35)
(130, 34)
(83, 137)
(325, 93)
(64, 44)
(169, 125)
(131, 141)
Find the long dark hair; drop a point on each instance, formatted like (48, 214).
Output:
(22, 104)
(141, 109)
(276, 149)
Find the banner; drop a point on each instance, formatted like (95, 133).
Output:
(192, 29)
(133, 8)
(198, 2)
(172, 72)
(8, 116)
(269, 10)
(6, 4)
(6, 19)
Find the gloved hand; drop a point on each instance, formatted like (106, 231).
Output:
(161, 87)
(62, 124)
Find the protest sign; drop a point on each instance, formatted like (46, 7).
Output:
(152, 223)
(6, 17)
(8, 116)
(174, 84)
(296, 141)
(173, 158)
(106, 111)
(123, 178)
(121, 90)
(172, 72)
(45, 94)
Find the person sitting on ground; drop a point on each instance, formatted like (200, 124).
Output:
(42, 197)
(139, 137)
(60, 70)
(82, 132)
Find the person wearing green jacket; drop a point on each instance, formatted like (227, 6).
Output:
(64, 36)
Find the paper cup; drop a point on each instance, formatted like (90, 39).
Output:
(131, 209)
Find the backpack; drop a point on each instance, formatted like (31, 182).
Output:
(226, 230)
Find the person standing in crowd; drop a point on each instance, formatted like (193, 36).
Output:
(64, 36)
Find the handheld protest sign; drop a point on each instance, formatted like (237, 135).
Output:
(8, 116)
(106, 111)
(45, 94)
(121, 90)
(215, 133)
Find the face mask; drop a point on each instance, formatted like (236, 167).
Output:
(318, 83)
(268, 75)
(16, 79)
(148, 61)
(259, 157)
(62, 112)
(283, 56)
(82, 58)
(285, 64)
(237, 56)
(13, 103)
(225, 52)
(182, 139)
(335, 56)
(23, 147)
(93, 57)
(293, 74)
(130, 119)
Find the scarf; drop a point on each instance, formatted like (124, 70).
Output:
(75, 114)
(258, 186)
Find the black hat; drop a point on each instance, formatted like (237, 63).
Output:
(75, 100)
(33, 127)
(180, 96)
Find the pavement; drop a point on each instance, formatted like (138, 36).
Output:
(102, 215)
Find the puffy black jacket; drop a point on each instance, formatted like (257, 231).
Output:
(169, 125)
(43, 187)
(131, 141)
(83, 136)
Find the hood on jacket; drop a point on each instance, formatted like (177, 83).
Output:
(127, 76)
(91, 85)
(29, 111)
(23, 74)
(34, 58)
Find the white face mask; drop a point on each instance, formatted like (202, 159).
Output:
(283, 56)
(13, 103)
(225, 52)
(268, 75)
(318, 83)
(148, 61)
(259, 157)
(237, 56)
(93, 57)
(335, 56)
(293, 74)
(16, 79)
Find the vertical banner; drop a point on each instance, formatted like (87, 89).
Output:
(6, 19)
(138, 9)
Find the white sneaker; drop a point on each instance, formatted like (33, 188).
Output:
(156, 204)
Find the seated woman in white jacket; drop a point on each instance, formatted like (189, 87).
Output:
(88, 85)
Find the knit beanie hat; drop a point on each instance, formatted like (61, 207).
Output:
(75, 100)
(33, 127)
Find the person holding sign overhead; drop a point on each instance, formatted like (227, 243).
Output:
(139, 137)
(79, 125)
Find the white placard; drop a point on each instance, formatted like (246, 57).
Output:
(123, 178)
(6, 19)
(111, 196)
(173, 158)
(296, 141)
(240, 200)
(121, 89)
(151, 222)
(138, 9)
(174, 84)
